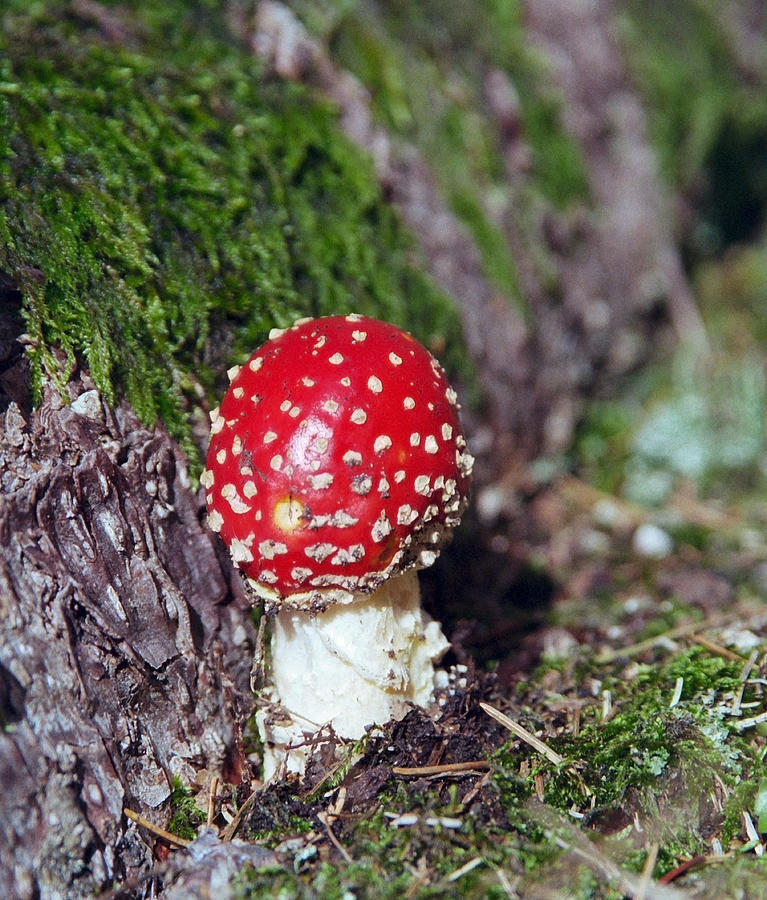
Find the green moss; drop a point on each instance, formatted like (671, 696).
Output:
(686, 72)
(330, 882)
(602, 440)
(708, 121)
(385, 859)
(162, 205)
(186, 816)
(646, 738)
(648, 758)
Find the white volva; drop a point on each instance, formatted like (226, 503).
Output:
(351, 666)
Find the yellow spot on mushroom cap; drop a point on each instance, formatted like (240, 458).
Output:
(288, 514)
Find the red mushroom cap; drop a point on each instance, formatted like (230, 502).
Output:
(336, 461)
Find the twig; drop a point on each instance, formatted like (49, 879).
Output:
(586, 495)
(743, 724)
(672, 634)
(647, 870)
(542, 748)
(325, 819)
(212, 790)
(738, 698)
(717, 648)
(228, 833)
(444, 769)
(524, 734)
(155, 829)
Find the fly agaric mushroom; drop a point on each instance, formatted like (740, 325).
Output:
(336, 468)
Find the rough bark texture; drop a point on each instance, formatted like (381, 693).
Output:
(124, 658)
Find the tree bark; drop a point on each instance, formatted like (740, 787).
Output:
(620, 285)
(124, 649)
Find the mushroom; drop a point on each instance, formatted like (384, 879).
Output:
(337, 468)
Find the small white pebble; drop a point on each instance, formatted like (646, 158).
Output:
(609, 514)
(652, 542)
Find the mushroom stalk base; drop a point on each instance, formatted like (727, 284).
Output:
(349, 667)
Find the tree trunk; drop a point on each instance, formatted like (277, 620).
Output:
(124, 649)
(619, 282)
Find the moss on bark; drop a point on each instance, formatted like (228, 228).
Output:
(163, 203)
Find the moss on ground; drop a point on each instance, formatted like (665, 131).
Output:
(662, 764)
(163, 204)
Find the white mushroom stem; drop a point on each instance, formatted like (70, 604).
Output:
(351, 666)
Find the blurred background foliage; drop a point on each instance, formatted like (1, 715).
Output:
(701, 76)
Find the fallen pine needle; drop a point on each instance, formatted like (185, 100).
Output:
(444, 769)
(524, 734)
(744, 676)
(681, 869)
(717, 648)
(647, 870)
(228, 833)
(687, 630)
(326, 821)
(155, 829)
(465, 869)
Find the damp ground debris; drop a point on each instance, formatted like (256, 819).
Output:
(616, 751)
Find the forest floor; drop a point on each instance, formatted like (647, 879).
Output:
(602, 735)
